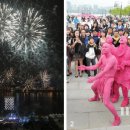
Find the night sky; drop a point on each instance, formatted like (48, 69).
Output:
(49, 56)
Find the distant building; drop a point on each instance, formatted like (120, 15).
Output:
(116, 4)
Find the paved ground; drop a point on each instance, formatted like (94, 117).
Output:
(83, 115)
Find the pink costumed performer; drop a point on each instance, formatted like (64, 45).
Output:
(109, 40)
(103, 81)
(115, 89)
(122, 77)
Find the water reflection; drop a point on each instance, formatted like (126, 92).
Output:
(25, 108)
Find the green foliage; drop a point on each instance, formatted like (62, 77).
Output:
(118, 11)
(115, 11)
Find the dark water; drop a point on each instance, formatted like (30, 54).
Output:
(25, 104)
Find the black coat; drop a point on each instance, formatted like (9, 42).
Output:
(96, 49)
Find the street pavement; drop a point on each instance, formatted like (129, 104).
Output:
(85, 115)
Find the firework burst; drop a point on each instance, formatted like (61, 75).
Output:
(45, 77)
(8, 22)
(9, 74)
(29, 84)
(7, 79)
(31, 31)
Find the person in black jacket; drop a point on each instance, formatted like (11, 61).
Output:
(96, 41)
(105, 26)
(83, 39)
(83, 36)
(69, 54)
(95, 37)
(91, 54)
(116, 39)
(95, 27)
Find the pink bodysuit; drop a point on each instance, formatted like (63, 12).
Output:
(103, 81)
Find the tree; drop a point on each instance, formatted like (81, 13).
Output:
(117, 11)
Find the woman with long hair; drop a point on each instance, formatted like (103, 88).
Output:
(79, 52)
(102, 39)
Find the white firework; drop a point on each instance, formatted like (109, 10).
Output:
(45, 77)
(31, 31)
(8, 22)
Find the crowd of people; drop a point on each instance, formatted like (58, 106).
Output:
(86, 36)
(103, 44)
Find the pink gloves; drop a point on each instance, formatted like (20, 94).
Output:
(82, 67)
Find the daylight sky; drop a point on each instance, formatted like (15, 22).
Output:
(100, 3)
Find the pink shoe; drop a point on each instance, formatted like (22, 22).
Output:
(114, 99)
(125, 102)
(94, 99)
(117, 121)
